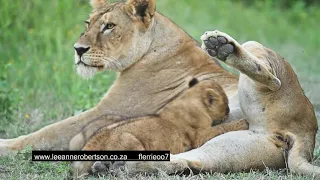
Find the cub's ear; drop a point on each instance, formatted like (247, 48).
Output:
(98, 3)
(142, 10)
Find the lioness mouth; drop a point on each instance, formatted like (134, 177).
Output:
(87, 65)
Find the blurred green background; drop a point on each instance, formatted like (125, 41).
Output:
(38, 83)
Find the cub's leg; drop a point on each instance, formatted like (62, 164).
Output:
(205, 135)
(225, 48)
(124, 141)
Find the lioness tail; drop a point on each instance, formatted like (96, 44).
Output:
(300, 154)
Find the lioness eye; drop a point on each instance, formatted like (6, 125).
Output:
(109, 26)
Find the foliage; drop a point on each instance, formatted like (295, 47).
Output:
(284, 4)
(9, 100)
(20, 166)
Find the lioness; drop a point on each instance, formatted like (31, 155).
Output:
(155, 59)
(183, 124)
(280, 116)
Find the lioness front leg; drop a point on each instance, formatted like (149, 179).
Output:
(52, 137)
(205, 135)
(228, 50)
(58, 136)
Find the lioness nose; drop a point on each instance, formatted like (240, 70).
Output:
(81, 50)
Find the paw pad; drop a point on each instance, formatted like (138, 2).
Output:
(218, 46)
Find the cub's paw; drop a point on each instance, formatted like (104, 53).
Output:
(243, 124)
(149, 168)
(119, 165)
(99, 167)
(218, 44)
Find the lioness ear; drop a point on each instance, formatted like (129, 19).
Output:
(142, 9)
(98, 3)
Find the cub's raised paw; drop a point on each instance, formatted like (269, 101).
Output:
(218, 44)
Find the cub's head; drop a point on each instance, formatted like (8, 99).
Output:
(207, 97)
(116, 36)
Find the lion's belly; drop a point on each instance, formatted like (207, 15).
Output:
(251, 104)
(235, 109)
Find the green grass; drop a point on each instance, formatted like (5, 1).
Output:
(39, 85)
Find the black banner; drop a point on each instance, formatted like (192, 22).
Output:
(100, 155)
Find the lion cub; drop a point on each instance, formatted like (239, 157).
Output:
(183, 124)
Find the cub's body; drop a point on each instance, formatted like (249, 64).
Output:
(183, 124)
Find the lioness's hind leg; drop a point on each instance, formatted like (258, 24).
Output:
(281, 140)
(300, 154)
(228, 50)
(231, 152)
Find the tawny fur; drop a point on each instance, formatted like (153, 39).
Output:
(155, 63)
(98, 3)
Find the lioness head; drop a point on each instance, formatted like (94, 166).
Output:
(116, 36)
(203, 98)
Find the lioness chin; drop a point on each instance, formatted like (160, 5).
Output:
(183, 124)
